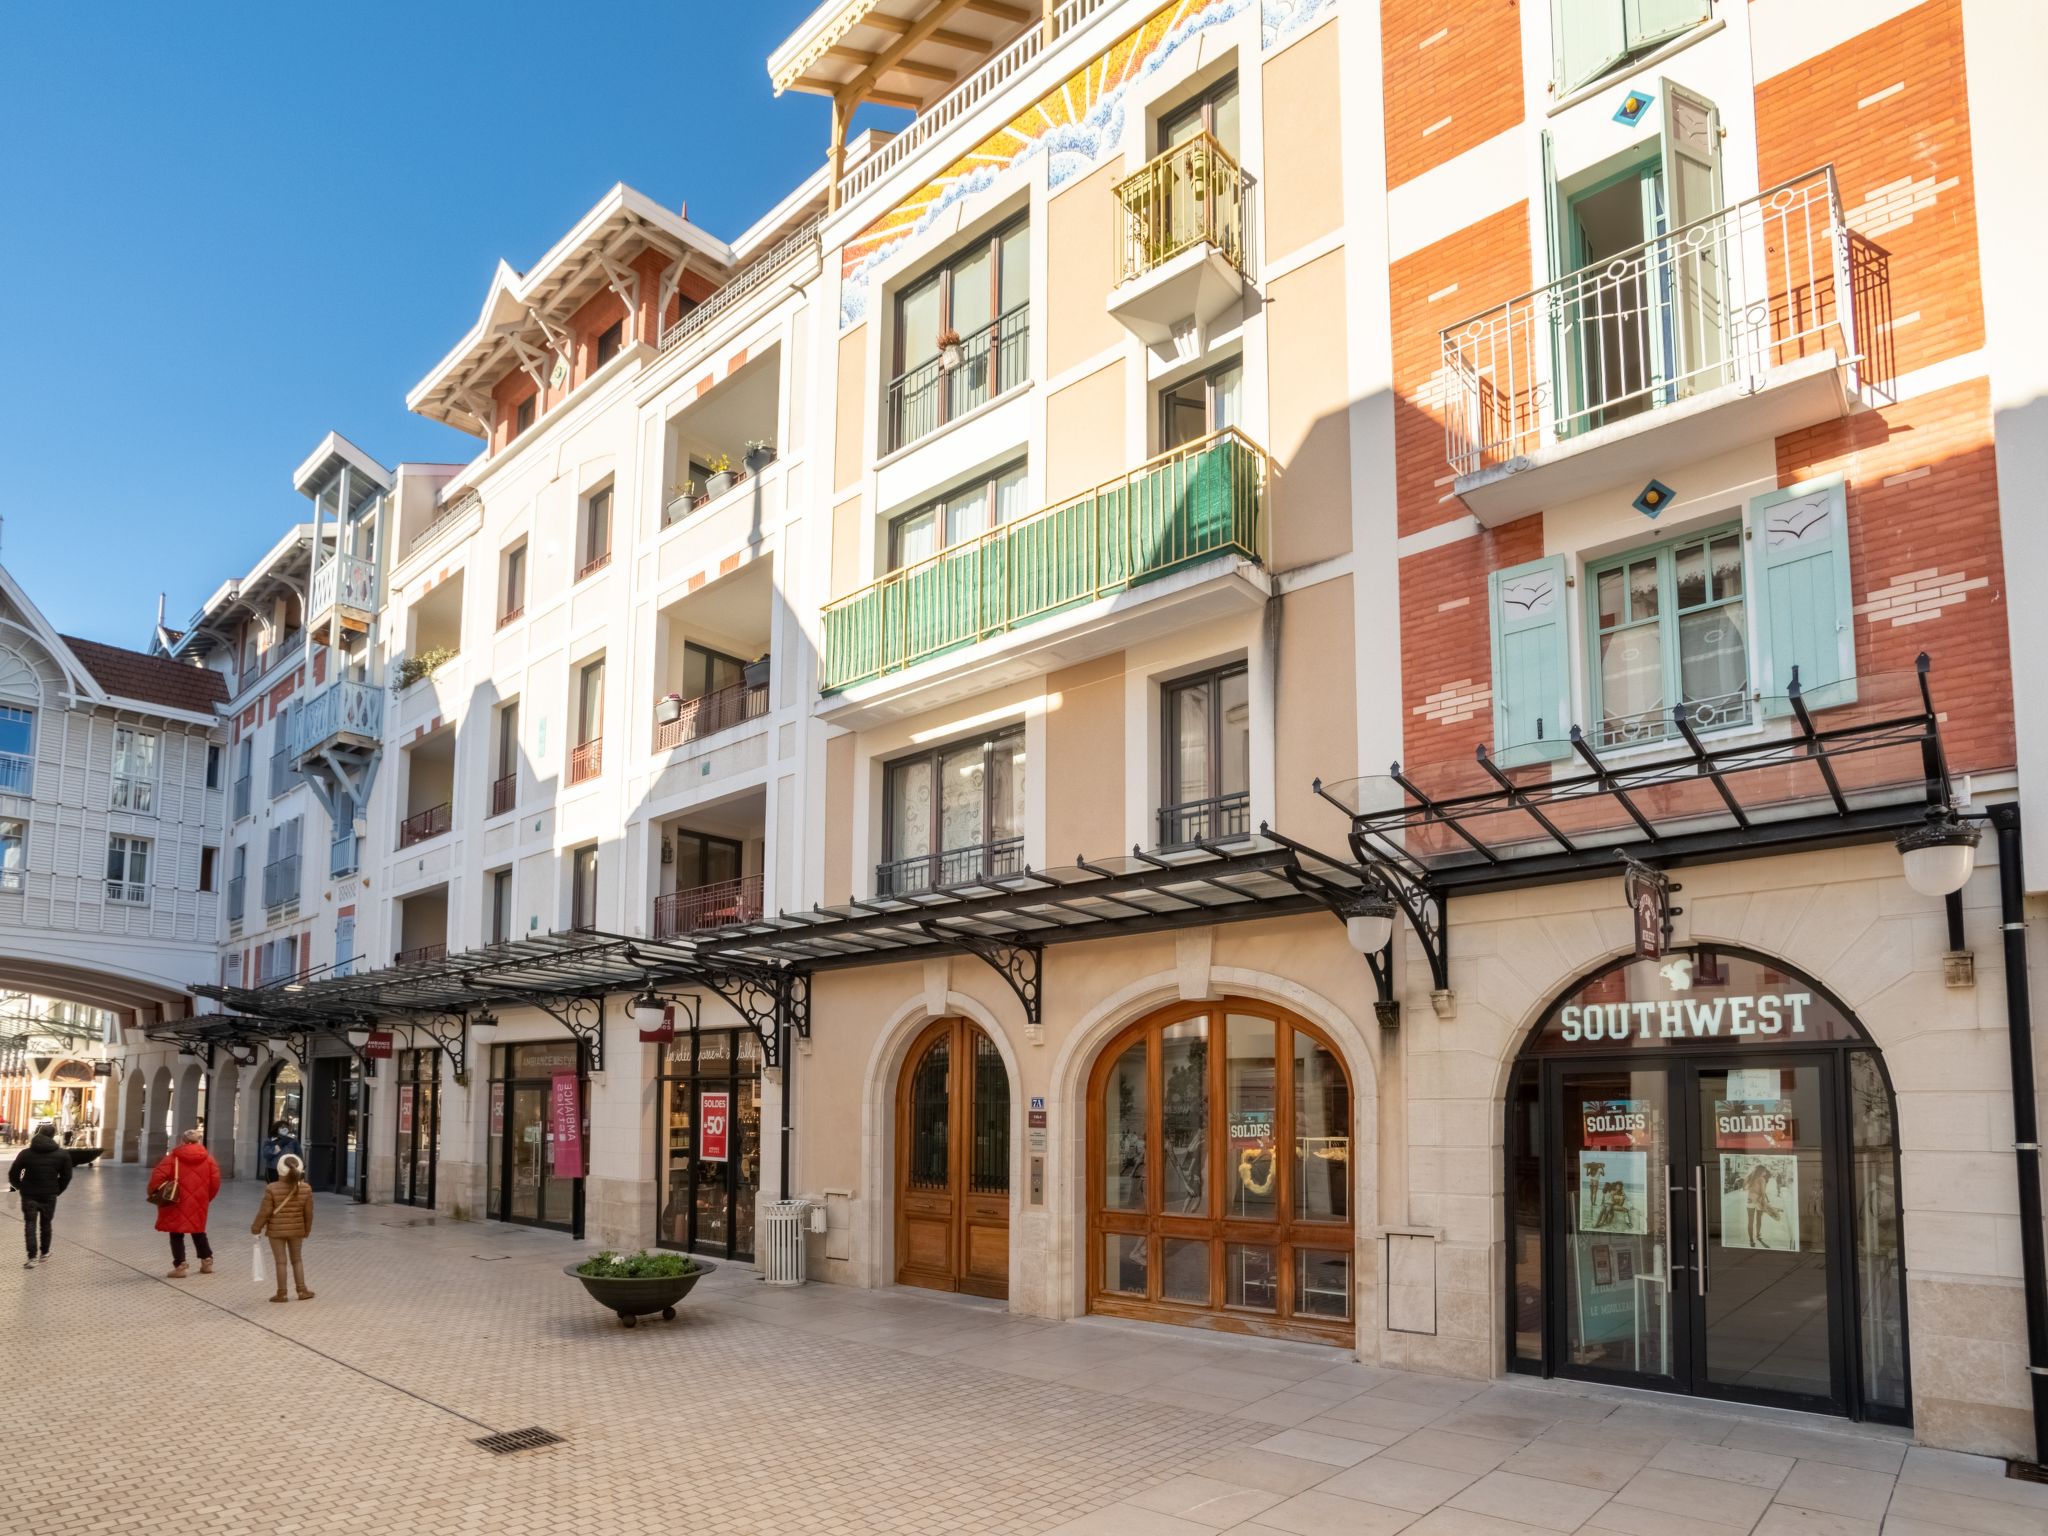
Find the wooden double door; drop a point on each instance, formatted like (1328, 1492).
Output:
(953, 1163)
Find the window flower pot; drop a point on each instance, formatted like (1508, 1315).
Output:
(759, 459)
(755, 673)
(678, 508)
(637, 1298)
(668, 710)
(720, 483)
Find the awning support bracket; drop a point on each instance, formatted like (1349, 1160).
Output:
(1020, 965)
(582, 1015)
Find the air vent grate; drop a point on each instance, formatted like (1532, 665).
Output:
(518, 1440)
(2027, 1471)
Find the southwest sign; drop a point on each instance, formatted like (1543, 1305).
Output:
(1684, 1018)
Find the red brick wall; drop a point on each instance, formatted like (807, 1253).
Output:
(1926, 566)
(1447, 641)
(1440, 285)
(1452, 77)
(1902, 159)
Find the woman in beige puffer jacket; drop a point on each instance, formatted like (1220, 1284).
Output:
(286, 1215)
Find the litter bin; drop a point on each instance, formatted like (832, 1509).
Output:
(782, 1248)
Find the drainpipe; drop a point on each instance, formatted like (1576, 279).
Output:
(2026, 1125)
(788, 1073)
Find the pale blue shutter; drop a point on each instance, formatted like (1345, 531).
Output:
(1805, 614)
(344, 944)
(1649, 22)
(1531, 663)
(1588, 38)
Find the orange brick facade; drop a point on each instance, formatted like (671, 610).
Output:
(1448, 87)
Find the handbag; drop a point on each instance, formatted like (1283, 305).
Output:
(166, 1193)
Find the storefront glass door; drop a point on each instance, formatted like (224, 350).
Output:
(1618, 1220)
(535, 1176)
(418, 1127)
(710, 1174)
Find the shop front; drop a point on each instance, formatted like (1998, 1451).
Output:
(710, 1147)
(336, 1108)
(539, 1134)
(1703, 1180)
(418, 1126)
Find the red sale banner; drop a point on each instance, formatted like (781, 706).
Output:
(714, 1121)
(405, 1109)
(567, 1123)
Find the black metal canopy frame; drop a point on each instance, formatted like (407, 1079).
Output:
(1855, 762)
(763, 969)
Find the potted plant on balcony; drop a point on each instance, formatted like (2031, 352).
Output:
(425, 664)
(668, 709)
(638, 1285)
(680, 495)
(755, 673)
(949, 350)
(759, 455)
(722, 476)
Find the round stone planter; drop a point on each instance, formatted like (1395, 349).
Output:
(637, 1298)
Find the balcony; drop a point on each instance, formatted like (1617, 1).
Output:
(347, 582)
(1200, 502)
(281, 882)
(722, 904)
(1181, 260)
(343, 856)
(950, 867)
(1196, 822)
(244, 794)
(1730, 330)
(586, 761)
(421, 825)
(722, 440)
(419, 954)
(504, 793)
(710, 713)
(343, 713)
(973, 371)
(17, 772)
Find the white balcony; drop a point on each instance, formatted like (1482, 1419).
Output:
(1739, 327)
(349, 583)
(1180, 264)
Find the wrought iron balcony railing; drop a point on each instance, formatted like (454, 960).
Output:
(718, 905)
(586, 761)
(710, 713)
(975, 370)
(950, 866)
(421, 825)
(1749, 288)
(343, 708)
(1195, 503)
(1194, 194)
(504, 792)
(1205, 821)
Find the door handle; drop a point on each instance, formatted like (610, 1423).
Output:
(1671, 1191)
(1699, 1227)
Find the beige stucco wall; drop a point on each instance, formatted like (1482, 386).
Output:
(1302, 192)
(1316, 661)
(1084, 750)
(865, 1019)
(839, 818)
(850, 398)
(848, 530)
(1308, 401)
(1080, 249)
(1846, 919)
(1084, 433)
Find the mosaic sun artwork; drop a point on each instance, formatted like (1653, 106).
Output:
(1074, 127)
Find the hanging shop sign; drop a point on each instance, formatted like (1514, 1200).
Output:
(565, 1106)
(103, 1069)
(378, 1047)
(1648, 892)
(714, 1125)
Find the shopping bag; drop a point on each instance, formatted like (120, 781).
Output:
(256, 1263)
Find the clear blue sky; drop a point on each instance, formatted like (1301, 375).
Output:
(226, 229)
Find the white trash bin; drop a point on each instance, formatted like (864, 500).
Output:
(782, 1244)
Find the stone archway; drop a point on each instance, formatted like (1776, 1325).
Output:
(223, 1113)
(134, 1094)
(156, 1127)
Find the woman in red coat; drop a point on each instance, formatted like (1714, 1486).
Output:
(198, 1177)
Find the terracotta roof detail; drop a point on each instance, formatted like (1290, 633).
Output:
(150, 679)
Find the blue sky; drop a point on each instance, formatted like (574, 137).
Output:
(229, 228)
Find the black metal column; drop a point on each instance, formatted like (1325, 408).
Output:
(2026, 1122)
(788, 1073)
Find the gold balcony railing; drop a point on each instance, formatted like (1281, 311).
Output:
(1191, 195)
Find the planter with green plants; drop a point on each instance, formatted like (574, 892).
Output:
(425, 664)
(760, 453)
(721, 476)
(637, 1285)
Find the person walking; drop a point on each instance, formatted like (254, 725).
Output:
(279, 1142)
(286, 1218)
(41, 1172)
(191, 1178)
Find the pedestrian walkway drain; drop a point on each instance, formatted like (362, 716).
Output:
(518, 1440)
(2027, 1471)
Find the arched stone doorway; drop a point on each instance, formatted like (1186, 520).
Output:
(953, 1163)
(190, 1101)
(134, 1091)
(156, 1132)
(1703, 1189)
(223, 1105)
(1220, 1174)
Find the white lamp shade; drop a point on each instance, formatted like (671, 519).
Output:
(1940, 869)
(359, 1038)
(1369, 932)
(482, 1025)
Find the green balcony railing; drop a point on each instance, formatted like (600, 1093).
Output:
(1198, 502)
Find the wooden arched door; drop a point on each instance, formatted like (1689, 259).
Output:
(953, 1163)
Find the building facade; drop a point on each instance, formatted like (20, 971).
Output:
(897, 711)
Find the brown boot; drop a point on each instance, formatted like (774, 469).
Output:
(280, 1296)
(305, 1295)
(206, 1266)
(177, 1272)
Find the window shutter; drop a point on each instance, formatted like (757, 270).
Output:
(1649, 22)
(1531, 663)
(1587, 38)
(1806, 617)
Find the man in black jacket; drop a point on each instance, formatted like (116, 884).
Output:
(41, 1172)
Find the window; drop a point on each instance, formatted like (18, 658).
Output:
(281, 867)
(1591, 37)
(954, 814)
(523, 413)
(238, 884)
(245, 769)
(610, 343)
(708, 671)
(979, 303)
(583, 888)
(13, 853)
(1209, 402)
(1667, 626)
(207, 858)
(281, 776)
(957, 517)
(512, 596)
(213, 767)
(128, 869)
(134, 769)
(586, 759)
(501, 906)
(17, 750)
(505, 778)
(1214, 112)
(1205, 780)
(597, 533)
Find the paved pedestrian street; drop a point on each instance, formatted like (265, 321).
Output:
(143, 1404)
